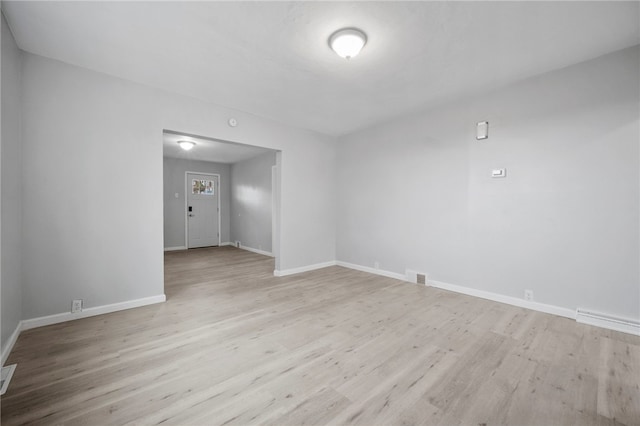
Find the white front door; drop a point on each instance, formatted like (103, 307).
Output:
(202, 210)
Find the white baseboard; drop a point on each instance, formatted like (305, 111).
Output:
(411, 276)
(285, 272)
(582, 316)
(536, 306)
(388, 274)
(12, 341)
(549, 309)
(175, 248)
(509, 300)
(610, 322)
(91, 312)
(253, 250)
(226, 243)
(68, 316)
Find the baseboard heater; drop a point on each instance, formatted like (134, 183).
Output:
(608, 321)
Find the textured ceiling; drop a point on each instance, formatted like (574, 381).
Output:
(272, 58)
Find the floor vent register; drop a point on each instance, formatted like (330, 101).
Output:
(7, 373)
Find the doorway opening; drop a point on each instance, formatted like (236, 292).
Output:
(220, 193)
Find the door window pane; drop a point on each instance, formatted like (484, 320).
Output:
(202, 187)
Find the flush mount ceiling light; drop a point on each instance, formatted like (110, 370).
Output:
(347, 42)
(186, 145)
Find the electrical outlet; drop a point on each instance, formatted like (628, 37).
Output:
(528, 295)
(376, 265)
(76, 306)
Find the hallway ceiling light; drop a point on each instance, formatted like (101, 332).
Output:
(186, 145)
(347, 42)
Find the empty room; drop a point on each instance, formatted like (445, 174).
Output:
(330, 213)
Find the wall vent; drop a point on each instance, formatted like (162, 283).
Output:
(415, 277)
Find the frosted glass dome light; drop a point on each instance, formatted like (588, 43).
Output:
(186, 145)
(347, 42)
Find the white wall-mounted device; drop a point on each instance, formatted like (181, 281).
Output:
(499, 173)
(482, 130)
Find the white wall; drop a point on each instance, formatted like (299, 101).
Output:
(411, 194)
(11, 223)
(416, 193)
(174, 208)
(251, 202)
(96, 224)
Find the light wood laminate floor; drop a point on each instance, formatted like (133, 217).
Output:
(235, 345)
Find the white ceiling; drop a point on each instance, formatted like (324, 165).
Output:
(208, 149)
(272, 58)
